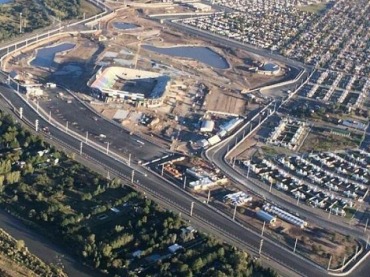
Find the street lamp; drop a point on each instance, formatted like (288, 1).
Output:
(20, 22)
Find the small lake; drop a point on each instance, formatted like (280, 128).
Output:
(5, 1)
(198, 53)
(69, 69)
(270, 67)
(45, 56)
(124, 25)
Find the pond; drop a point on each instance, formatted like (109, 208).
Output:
(45, 56)
(69, 69)
(270, 67)
(124, 25)
(5, 1)
(198, 53)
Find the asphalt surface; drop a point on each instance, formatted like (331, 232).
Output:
(203, 215)
(81, 119)
(217, 154)
(234, 44)
(43, 247)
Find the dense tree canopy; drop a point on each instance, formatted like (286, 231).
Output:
(102, 221)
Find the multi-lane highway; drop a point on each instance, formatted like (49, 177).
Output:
(217, 156)
(203, 215)
(83, 120)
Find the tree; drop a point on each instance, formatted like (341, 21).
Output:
(19, 245)
(183, 268)
(197, 264)
(107, 250)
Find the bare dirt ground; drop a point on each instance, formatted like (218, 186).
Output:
(125, 48)
(8, 268)
(227, 102)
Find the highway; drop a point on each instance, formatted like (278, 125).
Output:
(218, 154)
(82, 119)
(203, 215)
(224, 41)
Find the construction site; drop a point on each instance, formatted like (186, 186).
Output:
(121, 70)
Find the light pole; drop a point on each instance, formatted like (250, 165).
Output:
(20, 23)
(49, 116)
(107, 148)
(263, 228)
(191, 208)
(81, 144)
(67, 127)
(87, 136)
(234, 214)
(329, 262)
(132, 176)
(260, 250)
(209, 195)
(129, 159)
(367, 221)
(295, 245)
(162, 170)
(184, 181)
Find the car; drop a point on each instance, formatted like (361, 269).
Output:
(46, 130)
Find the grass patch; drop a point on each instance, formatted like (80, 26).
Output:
(350, 212)
(89, 9)
(313, 8)
(326, 142)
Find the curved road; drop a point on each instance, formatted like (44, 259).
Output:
(203, 215)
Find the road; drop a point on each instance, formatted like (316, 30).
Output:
(203, 215)
(82, 119)
(224, 41)
(43, 247)
(217, 156)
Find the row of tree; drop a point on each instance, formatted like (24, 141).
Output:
(66, 9)
(102, 221)
(26, 14)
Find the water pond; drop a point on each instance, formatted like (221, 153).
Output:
(124, 25)
(45, 56)
(198, 53)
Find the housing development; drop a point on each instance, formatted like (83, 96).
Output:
(181, 138)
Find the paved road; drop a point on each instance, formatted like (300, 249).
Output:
(203, 214)
(217, 154)
(81, 119)
(224, 41)
(43, 247)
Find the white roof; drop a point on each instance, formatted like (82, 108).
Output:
(173, 248)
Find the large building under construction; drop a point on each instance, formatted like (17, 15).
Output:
(121, 84)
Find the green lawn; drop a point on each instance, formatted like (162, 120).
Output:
(89, 9)
(313, 8)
